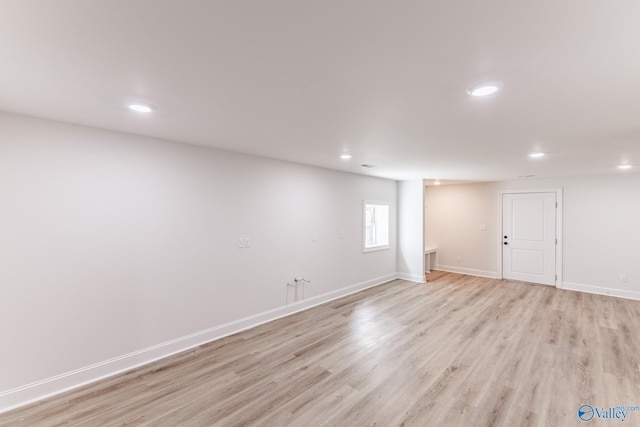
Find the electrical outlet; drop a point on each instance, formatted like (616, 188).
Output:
(458, 259)
(240, 242)
(624, 278)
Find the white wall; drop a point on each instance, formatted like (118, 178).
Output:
(601, 230)
(454, 214)
(117, 249)
(410, 230)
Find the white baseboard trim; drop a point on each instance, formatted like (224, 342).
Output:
(469, 271)
(620, 293)
(29, 393)
(412, 277)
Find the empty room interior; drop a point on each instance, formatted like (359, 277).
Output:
(300, 213)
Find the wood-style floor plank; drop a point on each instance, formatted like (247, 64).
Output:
(457, 351)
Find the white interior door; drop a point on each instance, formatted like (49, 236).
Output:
(529, 237)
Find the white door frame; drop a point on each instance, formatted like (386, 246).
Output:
(558, 192)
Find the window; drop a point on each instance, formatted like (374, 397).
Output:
(376, 226)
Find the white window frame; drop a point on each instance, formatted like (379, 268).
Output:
(381, 226)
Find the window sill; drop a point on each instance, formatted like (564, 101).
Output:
(376, 248)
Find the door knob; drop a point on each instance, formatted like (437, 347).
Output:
(505, 237)
(506, 243)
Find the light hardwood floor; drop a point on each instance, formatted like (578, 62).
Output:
(458, 351)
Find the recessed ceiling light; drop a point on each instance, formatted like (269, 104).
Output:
(536, 155)
(436, 182)
(484, 89)
(625, 166)
(140, 108)
(346, 156)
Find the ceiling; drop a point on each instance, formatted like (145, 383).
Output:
(305, 81)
